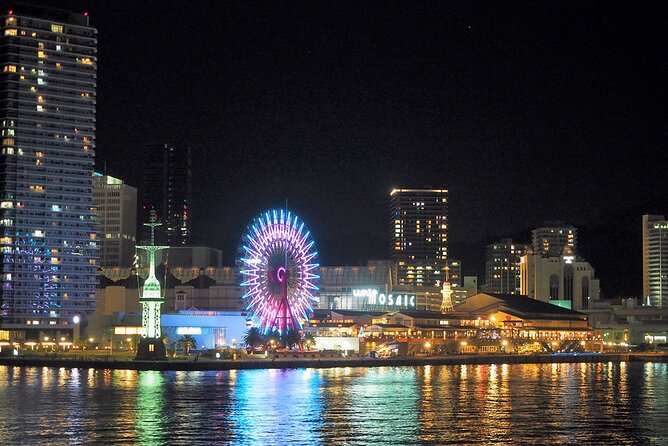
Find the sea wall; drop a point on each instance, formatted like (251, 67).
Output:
(207, 364)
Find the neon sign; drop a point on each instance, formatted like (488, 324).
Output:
(373, 297)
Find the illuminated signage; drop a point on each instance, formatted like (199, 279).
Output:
(189, 330)
(373, 297)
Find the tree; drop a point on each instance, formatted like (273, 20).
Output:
(186, 342)
(273, 339)
(291, 337)
(253, 338)
(309, 341)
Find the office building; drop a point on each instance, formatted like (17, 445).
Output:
(502, 267)
(551, 239)
(47, 120)
(419, 235)
(116, 206)
(655, 260)
(166, 186)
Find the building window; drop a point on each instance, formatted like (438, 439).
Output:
(56, 28)
(554, 287)
(9, 69)
(11, 32)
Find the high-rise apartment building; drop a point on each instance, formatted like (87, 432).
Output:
(116, 204)
(454, 271)
(551, 239)
(419, 235)
(655, 260)
(502, 267)
(166, 187)
(47, 120)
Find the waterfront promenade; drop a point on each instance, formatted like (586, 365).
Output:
(325, 362)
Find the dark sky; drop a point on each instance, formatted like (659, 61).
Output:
(525, 111)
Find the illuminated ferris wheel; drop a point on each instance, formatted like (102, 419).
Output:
(279, 270)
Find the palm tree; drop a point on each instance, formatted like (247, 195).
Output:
(309, 340)
(253, 338)
(273, 339)
(187, 342)
(291, 337)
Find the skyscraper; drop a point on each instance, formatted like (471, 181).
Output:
(166, 187)
(502, 267)
(419, 235)
(47, 119)
(116, 206)
(655, 260)
(550, 239)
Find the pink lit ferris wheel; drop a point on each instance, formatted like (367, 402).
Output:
(279, 270)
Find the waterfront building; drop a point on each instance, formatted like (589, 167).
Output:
(419, 219)
(655, 260)
(166, 187)
(522, 317)
(627, 322)
(116, 209)
(551, 239)
(566, 280)
(502, 267)
(47, 121)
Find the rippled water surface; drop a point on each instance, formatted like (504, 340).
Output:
(475, 404)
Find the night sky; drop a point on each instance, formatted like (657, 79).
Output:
(525, 111)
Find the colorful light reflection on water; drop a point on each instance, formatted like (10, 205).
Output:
(481, 404)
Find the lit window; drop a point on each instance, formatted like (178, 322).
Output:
(41, 54)
(85, 60)
(40, 99)
(40, 108)
(10, 32)
(59, 65)
(9, 69)
(56, 28)
(8, 141)
(10, 20)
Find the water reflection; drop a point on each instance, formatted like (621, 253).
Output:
(151, 413)
(476, 404)
(276, 407)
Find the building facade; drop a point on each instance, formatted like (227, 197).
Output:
(166, 187)
(502, 267)
(116, 207)
(551, 239)
(47, 119)
(419, 219)
(655, 260)
(564, 280)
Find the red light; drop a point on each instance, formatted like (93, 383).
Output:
(85, 14)
(10, 12)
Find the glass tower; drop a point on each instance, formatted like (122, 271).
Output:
(47, 119)
(166, 188)
(419, 235)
